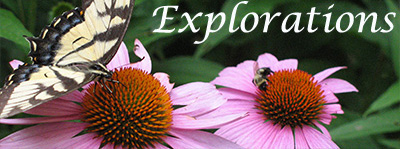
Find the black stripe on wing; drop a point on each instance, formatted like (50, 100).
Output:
(113, 32)
(44, 48)
(21, 74)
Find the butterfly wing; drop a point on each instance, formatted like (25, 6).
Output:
(115, 16)
(64, 52)
(31, 85)
(88, 35)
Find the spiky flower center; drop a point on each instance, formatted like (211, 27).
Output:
(292, 98)
(132, 110)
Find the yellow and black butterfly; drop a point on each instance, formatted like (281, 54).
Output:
(69, 53)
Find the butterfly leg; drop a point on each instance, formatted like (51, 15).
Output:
(101, 85)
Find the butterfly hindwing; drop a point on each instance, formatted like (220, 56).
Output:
(31, 85)
(90, 34)
(72, 51)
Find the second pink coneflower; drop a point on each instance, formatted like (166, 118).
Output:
(287, 111)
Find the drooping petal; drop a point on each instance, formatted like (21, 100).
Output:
(300, 139)
(325, 118)
(275, 129)
(284, 138)
(316, 139)
(75, 96)
(263, 135)
(266, 60)
(236, 78)
(337, 86)
(251, 135)
(56, 107)
(121, 58)
(233, 106)
(190, 93)
(205, 102)
(87, 85)
(141, 52)
(235, 82)
(323, 129)
(233, 131)
(240, 77)
(164, 80)
(43, 135)
(37, 120)
(188, 122)
(332, 109)
(326, 73)
(15, 63)
(230, 93)
(83, 141)
(203, 139)
(285, 64)
(247, 68)
(179, 143)
(330, 97)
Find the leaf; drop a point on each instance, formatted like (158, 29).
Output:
(11, 4)
(12, 29)
(258, 6)
(395, 37)
(363, 142)
(390, 143)
(379, 123)
(390, 97)
(60, 8)
(137, 2)
(187, 69)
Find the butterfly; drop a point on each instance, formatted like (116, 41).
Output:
(69, 53)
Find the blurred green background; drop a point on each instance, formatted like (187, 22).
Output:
(372, 116)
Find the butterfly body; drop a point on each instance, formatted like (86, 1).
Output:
(69, 53)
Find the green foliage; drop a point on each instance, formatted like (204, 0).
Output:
(390, 143)
(372, 116)
(186, 69)
(59, 9)
(388, 121)
(395, 38)
(389, 98)
(12, 29)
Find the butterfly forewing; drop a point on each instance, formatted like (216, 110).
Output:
(65, 52)
(37, 84)
(113, 17)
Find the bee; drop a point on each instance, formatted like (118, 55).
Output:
(261, 78)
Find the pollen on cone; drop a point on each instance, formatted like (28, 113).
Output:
(292, 98)
(132, 109)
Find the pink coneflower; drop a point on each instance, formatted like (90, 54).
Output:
(287, 112)
(134, 110)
